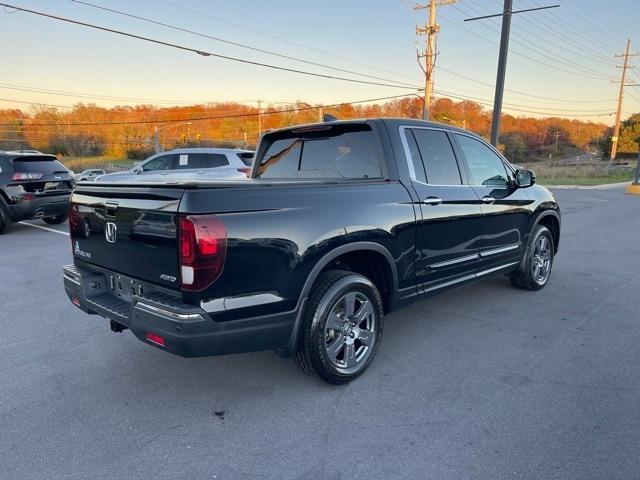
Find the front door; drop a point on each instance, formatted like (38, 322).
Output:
(506, 218)
(448, 231)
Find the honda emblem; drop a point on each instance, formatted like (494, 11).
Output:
(110, 232)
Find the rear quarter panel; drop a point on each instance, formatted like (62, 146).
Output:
(277, 234)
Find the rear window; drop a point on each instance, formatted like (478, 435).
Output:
(38, 164)
(246, 157)
(332, 152)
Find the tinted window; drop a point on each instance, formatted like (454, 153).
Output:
(437, 155)
(485, 166)
(246, 157)
(39, 165)
(202, 160)
(164, 162)
(344, 151)
(416, 159)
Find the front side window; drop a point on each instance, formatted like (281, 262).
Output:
(333, 152)
(164, 162)
(485, 166)
(437, 155)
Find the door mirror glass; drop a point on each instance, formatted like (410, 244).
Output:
(525, 178)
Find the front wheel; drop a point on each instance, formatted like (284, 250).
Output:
(535, 270)
(341, 327)
(57, 219)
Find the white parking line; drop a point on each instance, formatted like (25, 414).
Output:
(45, 228)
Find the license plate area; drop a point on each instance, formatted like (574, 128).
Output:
(48, 186)
(123, 287)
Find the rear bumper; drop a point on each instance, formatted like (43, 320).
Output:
(45, 206)
(187, 331)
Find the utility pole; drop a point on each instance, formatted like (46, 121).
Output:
(321, 114)
(555, 148)
(430, 31)
(259, 117)
(616, 130)
(507, 11)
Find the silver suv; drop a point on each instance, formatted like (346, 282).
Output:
(188, 164)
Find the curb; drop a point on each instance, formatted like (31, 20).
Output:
(604, 186)
(633, 189)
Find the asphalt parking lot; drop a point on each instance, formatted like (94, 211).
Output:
(483, 382)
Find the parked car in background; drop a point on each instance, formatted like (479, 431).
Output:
(89, 174)
(187, 164)
(341, 223)
(33, 186)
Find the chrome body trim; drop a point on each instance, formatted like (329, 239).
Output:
(496, 251)
(231, 303)
(446, 263)
(470, 277)
(168, 313)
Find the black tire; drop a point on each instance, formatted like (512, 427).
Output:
(360, 333)
(525, 277)
(5, 219)
(57, 219)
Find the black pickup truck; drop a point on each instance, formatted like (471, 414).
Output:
(341, 223)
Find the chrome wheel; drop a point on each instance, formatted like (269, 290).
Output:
(541, 261)
(350, 332)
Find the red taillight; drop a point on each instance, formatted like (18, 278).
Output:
(153, 338)
(29, 196)
(75, 301)
(26, 176)
(202, 243)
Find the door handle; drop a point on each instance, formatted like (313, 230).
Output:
(488, 199)
(432, 201)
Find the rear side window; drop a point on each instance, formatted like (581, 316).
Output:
(437, 155)
(202, 160)
(5, 166)
(332, 152)
(38, 164)
(246, 157)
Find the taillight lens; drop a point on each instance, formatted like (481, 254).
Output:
(26, 176)
(202, 245)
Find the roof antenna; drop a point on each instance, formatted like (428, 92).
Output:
(329, 118)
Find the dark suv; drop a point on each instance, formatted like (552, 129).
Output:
(33, 186)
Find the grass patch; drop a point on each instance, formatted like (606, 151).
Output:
(106, 162)
(586, 181)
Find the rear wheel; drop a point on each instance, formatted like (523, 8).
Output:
(535, 270)
(57, 219)
(341, 327)
(5, 220)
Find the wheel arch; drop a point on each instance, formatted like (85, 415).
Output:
(327, 260)
(551, 220)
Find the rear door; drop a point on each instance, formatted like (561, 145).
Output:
(128, 230)
(449, 228)
(505, 216)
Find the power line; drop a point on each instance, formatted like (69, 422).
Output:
(201, 52)
(582, 70)
(550, 114)
(579, 44)
(281, 39)
(519, 92)
(216, 117)
(237, 44)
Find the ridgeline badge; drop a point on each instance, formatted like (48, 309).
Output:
(80, 253)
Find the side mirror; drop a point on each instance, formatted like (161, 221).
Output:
(525, 178)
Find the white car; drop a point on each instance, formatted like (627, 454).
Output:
(187, 164)
(89, 175)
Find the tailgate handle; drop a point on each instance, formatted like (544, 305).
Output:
(110, 209)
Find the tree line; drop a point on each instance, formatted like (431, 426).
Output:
(114, 131)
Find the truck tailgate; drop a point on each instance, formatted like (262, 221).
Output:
(128, 230)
